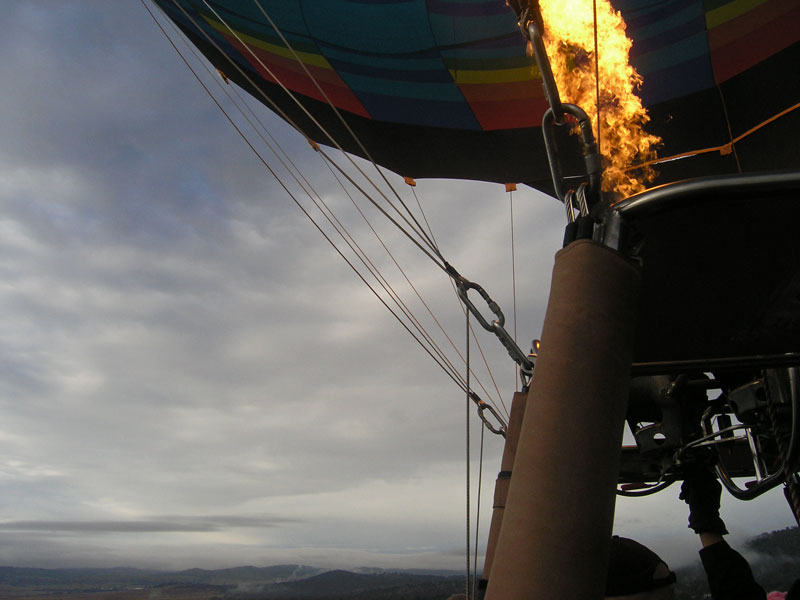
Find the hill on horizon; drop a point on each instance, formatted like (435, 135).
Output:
(774, 557)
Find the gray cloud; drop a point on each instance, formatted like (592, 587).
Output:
(176, 339)
(157, 525)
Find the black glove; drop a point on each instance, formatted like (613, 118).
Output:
(701, 491)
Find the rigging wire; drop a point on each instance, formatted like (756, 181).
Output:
(281, 112)
(723, 148)
(424, 217)
(419, 296)
(328, 213)
(477, 340)
(483, 357)
(338, 113)
(306, 186)
(468, 412)
(349, 178)
(413, 287)
(443, 361)
(431, 238)
(463, 308)
(478, 513)
(728, 125)
(513, 284)
(330, 161)
(293, 97)
(459, 381)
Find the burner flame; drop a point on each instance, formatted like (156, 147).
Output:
(569, 37)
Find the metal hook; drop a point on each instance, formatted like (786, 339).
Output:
(482, 406)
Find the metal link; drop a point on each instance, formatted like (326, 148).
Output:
(515, 352)
(591, 158)
(501, 428)
(496, 326)
(464, 285)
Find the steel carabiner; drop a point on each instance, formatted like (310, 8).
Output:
(483, 406)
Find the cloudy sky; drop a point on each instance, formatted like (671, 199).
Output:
(189, 374)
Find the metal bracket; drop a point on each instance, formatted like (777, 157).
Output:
(532, 26)
(591, 156)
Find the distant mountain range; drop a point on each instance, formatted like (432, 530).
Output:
(775, 559)
(279, 582)
(127, 577)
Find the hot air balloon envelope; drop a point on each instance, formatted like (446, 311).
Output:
(443, 88)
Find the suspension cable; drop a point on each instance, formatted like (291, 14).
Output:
(293, 97)
(366, 195)
(513, 282)
(416, 292)
(425, 218)
(280, 112)
(483, 355)
(329, 215)
(411, 285)
(468, 411)
(442, 360)
(338, 113)
(472, 329)
(478, 514)
(456, 379)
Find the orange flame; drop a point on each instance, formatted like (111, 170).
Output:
(570, 41)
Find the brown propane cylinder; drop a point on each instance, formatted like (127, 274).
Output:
(556, 531)
(503, 479)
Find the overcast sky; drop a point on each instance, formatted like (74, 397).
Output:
(189, 374)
